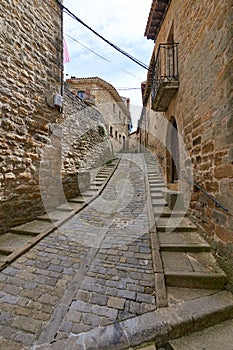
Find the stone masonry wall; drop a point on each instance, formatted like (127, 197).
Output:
(203, 106)
(30, 64)
(41, 148)
(109, 104)
(85, 143)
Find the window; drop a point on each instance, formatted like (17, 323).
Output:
(102, 130)
(116, 134)
(110, 131)
(81, 94)
(114, 107)
(120, 115)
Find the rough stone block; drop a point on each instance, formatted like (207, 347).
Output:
(117, 303)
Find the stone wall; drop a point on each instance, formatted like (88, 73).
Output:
(42, 148)
(203, 106)
(85, 142)
(114, 109)
(30, 63)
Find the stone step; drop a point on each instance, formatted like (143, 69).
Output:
(101, 178)
(32, 228)
(77, 200)
(159, 202)
(155, 190)
(11, 241)
(154, 175)
(218, 337)
(104, 174)
(192, 270)
(94, 187)
(47, 218)
(179, 247)
(54, 216)
(88, 193)
(175, 224)
(157, 195)
(182, 241)
(195, 280)
(154, 184)
(96, 183)
(160, 326)
(64, 207)
(157, 185)
(167, 213)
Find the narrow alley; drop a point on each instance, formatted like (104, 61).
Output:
(116, 175)
(121, 271)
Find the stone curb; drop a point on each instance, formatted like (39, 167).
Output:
(159, 279)
(159, 326)
(20, 251)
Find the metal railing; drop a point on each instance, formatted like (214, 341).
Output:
(193, 183)
(166, 66)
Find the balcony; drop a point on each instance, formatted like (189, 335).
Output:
(165, 78)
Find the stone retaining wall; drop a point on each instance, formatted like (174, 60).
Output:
(85, 143)
(30, 64)
(41, 148)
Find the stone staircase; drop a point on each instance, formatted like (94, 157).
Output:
(186, 257)
(188, 266)
(21, 238)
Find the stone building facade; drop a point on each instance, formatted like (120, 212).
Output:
(114, 108)
(31, 72)
(187, 117)
(39, 158)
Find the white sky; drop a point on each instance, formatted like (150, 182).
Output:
(123, 23)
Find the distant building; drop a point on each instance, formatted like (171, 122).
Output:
(134, 144)
(114, 108)
(187, 118)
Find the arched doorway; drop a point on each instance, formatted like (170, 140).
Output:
(124, 148)
(173, 154)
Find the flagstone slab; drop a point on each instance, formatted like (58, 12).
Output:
(32, 228)
(11, 241)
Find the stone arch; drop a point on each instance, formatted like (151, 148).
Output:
(172, 152)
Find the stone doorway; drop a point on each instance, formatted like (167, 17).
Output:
(172, 153)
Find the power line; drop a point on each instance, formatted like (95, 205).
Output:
(69, 13)
(100, 56)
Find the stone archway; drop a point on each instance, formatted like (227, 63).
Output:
(172, 153)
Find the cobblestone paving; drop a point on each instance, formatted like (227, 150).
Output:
(94, 270)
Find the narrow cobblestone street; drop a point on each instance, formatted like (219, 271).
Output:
(124, 271)
(94, 270)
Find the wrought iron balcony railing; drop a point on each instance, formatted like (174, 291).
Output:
(166, 76)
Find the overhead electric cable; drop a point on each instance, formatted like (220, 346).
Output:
(100, 56)
(69, 13)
